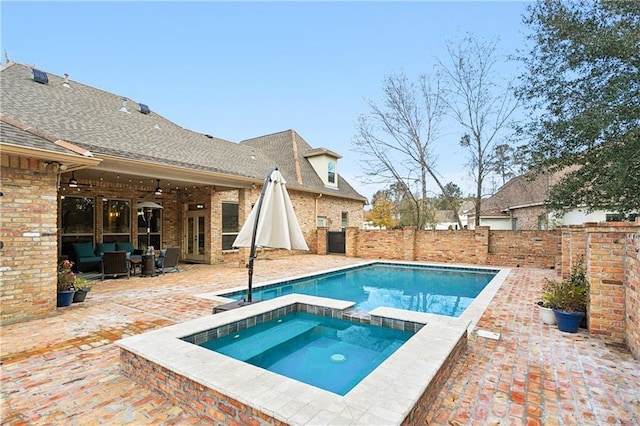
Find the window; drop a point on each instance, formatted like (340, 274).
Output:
(76, 222)
(331, 176)
(542, 222)
(116, 220)
(616, 217)
(345, 219)
(230, 225)
(613, 217)
(321, 222)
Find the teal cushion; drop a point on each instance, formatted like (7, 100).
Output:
(128, 247)
(102, 247)
(163, 253)
(83, 249)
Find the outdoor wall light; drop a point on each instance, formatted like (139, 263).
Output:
(158, 189)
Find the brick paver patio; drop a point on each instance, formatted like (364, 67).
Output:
(65, 369)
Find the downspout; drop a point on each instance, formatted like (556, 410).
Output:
(316, 200)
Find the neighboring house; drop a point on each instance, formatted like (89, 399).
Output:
(446, 219)
(519, 205)
(76, 161)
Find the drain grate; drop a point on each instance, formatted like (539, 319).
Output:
(338, 358)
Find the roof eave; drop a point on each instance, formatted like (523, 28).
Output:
(72, 161)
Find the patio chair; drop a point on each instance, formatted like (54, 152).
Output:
(168, 260)
(115, 263)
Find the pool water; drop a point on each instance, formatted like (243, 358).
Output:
(438, 290)
(329, 353)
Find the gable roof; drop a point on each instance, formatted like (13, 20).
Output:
(290, 149)
(521, 191)
(92, 118)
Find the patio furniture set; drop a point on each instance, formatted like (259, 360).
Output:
(121, 259)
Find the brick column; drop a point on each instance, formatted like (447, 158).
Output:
(632, 290)
(28, 230)
(214, 243)
(351, 242)
(321, 244)
(481, 238)
(409, 243)
(606, 274)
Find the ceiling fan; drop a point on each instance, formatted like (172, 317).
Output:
(73, 182)
(158, 190)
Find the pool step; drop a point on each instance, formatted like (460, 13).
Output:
(248, 347)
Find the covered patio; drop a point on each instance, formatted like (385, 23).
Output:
(65, 368)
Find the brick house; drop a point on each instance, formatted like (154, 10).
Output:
(520, 205)
(76, 160)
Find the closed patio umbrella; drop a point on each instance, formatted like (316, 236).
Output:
(272, 223)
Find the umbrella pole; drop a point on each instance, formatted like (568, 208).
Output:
(252, 253)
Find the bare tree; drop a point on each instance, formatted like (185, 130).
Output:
(478, 103)
(394, 140)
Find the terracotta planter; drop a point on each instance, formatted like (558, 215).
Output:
(546, 315)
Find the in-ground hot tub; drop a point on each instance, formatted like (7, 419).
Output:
(223, 389)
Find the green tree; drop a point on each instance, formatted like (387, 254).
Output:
(582, 89)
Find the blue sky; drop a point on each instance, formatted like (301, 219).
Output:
(238, 70)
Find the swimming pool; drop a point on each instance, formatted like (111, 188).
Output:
(223, 390)
(421, 288)
(213, 386)
(329, 353)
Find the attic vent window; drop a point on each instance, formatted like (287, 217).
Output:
(144, 109)
(40, 76)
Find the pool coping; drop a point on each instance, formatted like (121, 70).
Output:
(386, 396)
(471, 314)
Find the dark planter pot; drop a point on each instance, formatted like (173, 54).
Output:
(568, 322)
(65, 298)
(80, 296)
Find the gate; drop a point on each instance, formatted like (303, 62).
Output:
(336, 242)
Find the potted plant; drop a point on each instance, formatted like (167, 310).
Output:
(66, 278)
(82, 287)
(546, 309)
(570, 298)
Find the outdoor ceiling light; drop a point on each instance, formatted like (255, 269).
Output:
(158, 189)
(73, 182)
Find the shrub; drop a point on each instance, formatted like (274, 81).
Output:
(570, 295)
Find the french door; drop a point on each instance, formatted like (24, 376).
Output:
(195, 236)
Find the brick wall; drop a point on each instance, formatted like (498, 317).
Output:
(28, 230)
(612, 270)
(539, 249)
(574, 245)
(204, 403)
(480, 246)
(632, 291)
